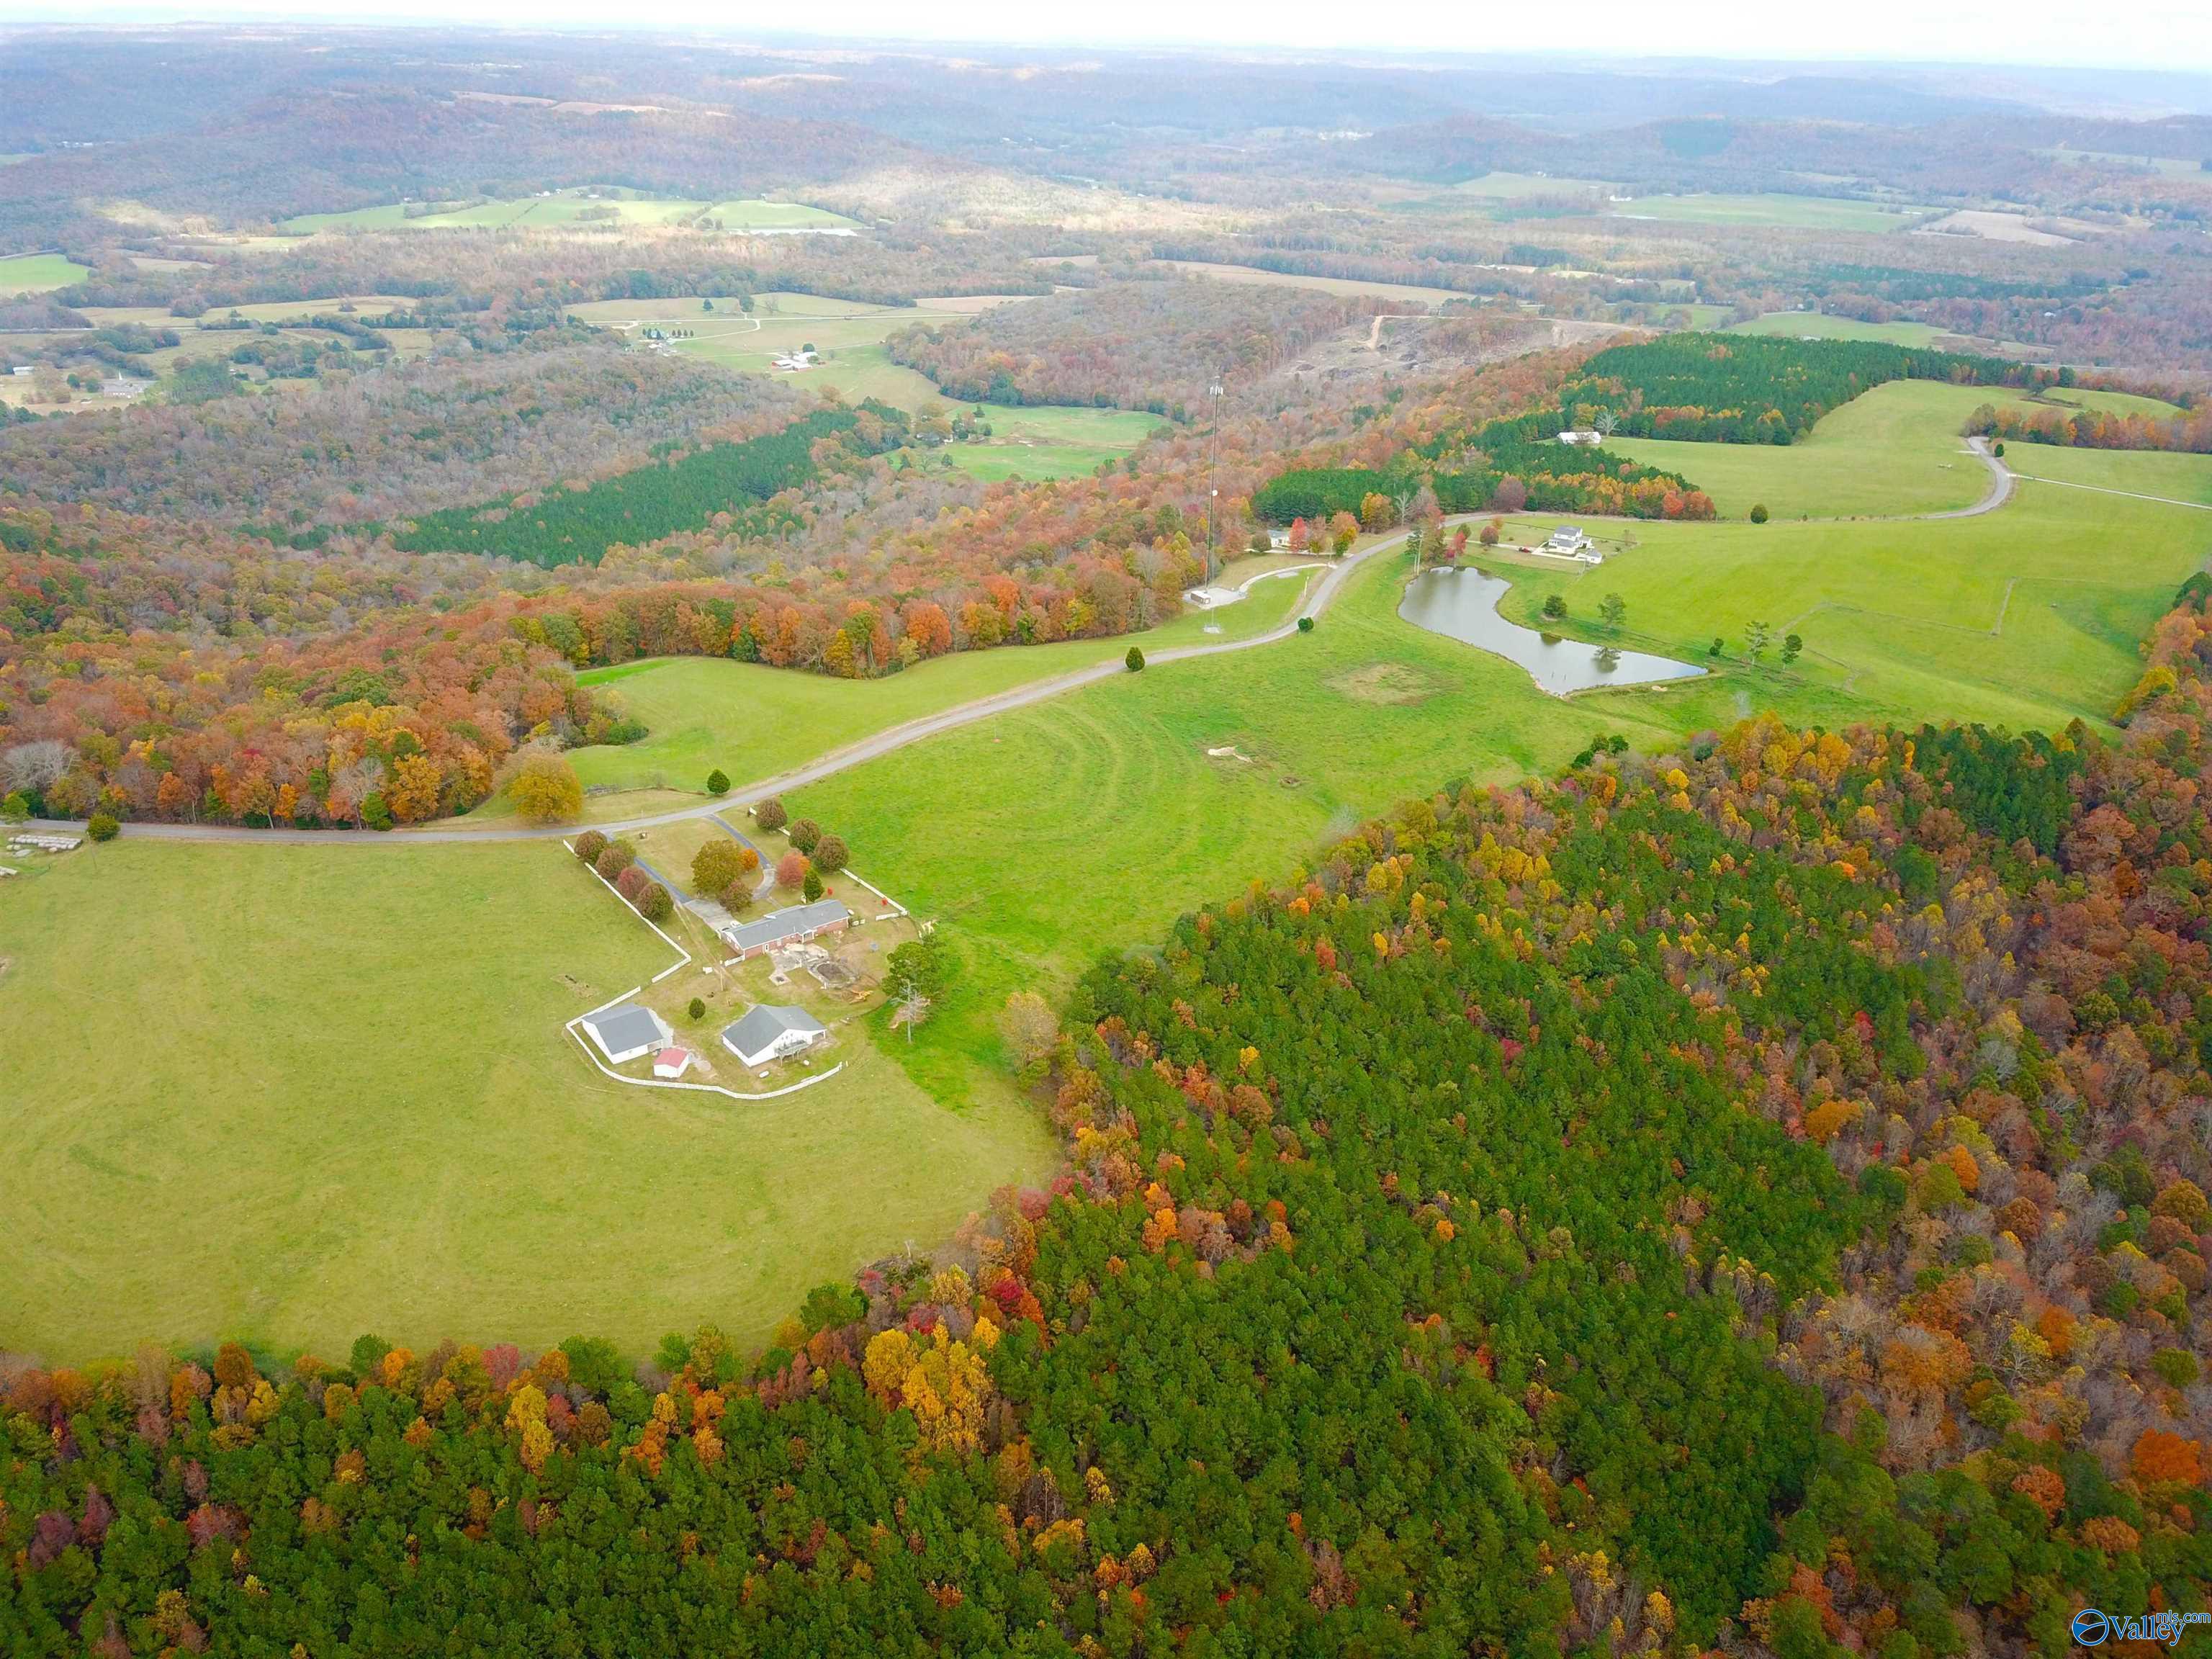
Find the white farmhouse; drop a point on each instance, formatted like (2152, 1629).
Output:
(770, 1032)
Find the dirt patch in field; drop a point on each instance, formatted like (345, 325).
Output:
(1389, 682)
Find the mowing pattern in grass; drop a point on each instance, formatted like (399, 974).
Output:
(2027, 617)
(701, 712)
(569, 527)
(333, 1095)
(1087, 823)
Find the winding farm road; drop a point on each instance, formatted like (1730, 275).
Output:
(2001, 482)
(880, 743)
(869, 748)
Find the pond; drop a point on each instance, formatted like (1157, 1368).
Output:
(1462, 603)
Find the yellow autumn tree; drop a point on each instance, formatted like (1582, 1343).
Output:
(545, 789)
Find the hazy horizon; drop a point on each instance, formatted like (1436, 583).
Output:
(2168, 38)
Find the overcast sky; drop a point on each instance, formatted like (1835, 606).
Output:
(2165, 35)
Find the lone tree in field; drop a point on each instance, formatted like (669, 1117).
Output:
(792, 869)
(1031, 1030)
(590, 845)
(546, 790)
(698, 1008)
(1757, 637)
(102, 826)
(720, 862)
(1613, 609)
(1134, 662)
(718, 782)
(1492, 531)
(830, 853)
(1759, 514)
(804, 834)
(771, 815)
(1791, 646)
(1555, 606)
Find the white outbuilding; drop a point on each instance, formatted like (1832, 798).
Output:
(628, 1031)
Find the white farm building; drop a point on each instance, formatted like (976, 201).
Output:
(627, 1031)
(770, 1032)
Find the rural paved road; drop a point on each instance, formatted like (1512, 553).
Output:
(838, 760)
(2001, 481)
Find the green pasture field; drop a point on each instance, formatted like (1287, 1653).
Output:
(1795, 212)
(754, 722)
(850, 333)
(2167, 166)
(567, 210)
(2143, 472)
(39, 273)
(1050, 441)
(2027, 617)
(1896, 449)
(1407, 291)
(1797, 325)
(1086, 824)
(339, 1075)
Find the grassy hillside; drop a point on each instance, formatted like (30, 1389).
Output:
(1087, 823)
(36, 273)
(339, 1074)
(752, 721)
(1896, 449)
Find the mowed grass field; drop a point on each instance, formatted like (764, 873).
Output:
(753, 722)
(2027, 617)
(2143, 472)
(296, 1093)
(1045, 836)
(849, 335)
(1799, 212)
(37, 273)
(1050, 441)
(1896, 449)
(1818, 326)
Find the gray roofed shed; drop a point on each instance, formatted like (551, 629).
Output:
(626, 1031)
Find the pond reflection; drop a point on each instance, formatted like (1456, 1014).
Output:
(1462, 603)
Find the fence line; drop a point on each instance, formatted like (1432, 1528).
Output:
(584, 1043)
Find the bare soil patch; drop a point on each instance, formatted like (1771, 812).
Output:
(1385, 683)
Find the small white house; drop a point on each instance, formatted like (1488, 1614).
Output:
(1581, 437)
(627, 1031)
(770, 1032)
(672, 1063)
(1568, 539)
